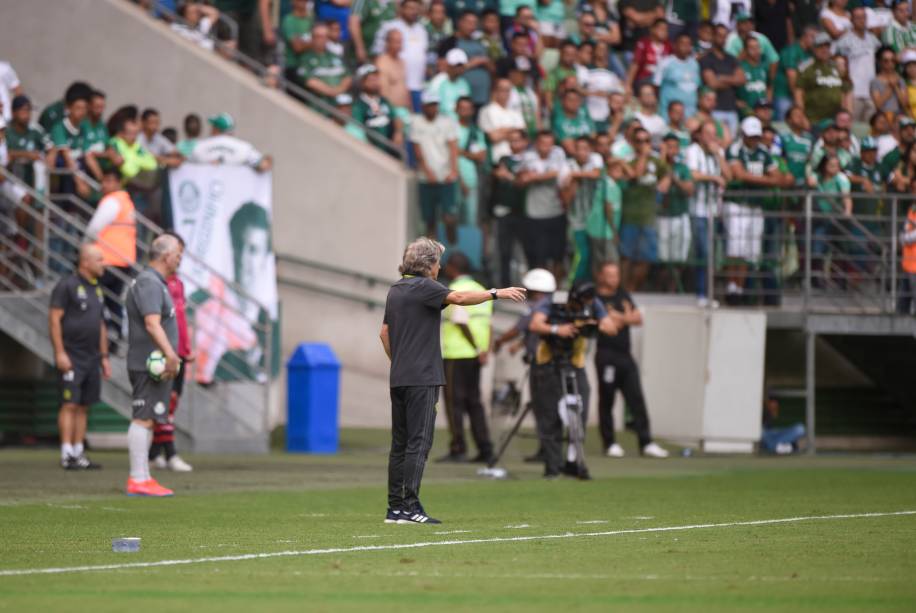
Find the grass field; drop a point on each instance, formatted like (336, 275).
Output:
(560, 545)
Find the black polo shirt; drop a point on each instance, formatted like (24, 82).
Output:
(83, 306)
(413, 313)
(619, 344)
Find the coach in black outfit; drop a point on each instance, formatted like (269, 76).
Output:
(410, 336)
(616, 368)
(78, 335)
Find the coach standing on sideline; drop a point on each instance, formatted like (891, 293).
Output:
(410, 336)
(151, 325)
(80, 344)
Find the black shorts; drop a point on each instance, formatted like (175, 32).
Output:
(546, 240)
(150, 397)
(82, 385)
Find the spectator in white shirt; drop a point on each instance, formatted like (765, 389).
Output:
(223, 148)
(498, 121)
(648, 116)
(858, 45)
(153, 141)
(10, 87)
(415, 46)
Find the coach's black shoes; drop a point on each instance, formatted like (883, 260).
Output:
(392, 516)
(416, 517)
(69, 463)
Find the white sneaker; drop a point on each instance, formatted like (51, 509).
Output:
(704, 302)
(784, 449)
(654, 451)
(159, 462)
(179, 465)
(615, 451)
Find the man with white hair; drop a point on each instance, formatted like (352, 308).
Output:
(410, 336)
(152, 325)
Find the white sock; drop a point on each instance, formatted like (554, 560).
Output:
(138, 440)
(77, 450)
(66, 449)
(571, 453)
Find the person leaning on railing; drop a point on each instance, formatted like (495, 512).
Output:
(907, 293)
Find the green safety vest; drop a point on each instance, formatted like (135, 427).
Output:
(455, 345)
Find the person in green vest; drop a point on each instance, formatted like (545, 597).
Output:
(466, 334)
(28, 144)
(790, 58)
(322, 72)
(756, 85)
(94, 135)
(571, 121)
(296, 29)
(366, 18)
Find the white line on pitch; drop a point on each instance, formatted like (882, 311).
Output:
(506, 539)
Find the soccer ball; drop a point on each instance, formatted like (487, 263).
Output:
(155, 364)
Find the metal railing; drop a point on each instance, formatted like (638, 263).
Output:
(41, 263)
(160, 12)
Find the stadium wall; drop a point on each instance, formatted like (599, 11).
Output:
(336, 200)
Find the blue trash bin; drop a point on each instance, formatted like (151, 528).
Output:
(312, 395)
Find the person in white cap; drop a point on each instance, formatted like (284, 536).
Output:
(450, 85)
(752, 168)
(221, 147)
(435, 140)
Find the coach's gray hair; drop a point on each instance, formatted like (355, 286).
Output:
(421, 256)
(162, 246)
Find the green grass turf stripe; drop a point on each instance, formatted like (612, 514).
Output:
(514, 539)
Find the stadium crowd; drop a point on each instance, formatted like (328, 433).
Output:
(587, 130)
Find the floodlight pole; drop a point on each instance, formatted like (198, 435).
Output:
(810, 338)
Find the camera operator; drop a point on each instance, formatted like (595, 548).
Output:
(616, 368)
(540, 284)
(564, 328)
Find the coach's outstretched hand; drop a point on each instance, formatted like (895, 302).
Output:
(515, 294)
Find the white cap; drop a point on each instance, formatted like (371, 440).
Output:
(456, 57)
(540, 280)
(429, 96)
(751, 126)
(908, 56)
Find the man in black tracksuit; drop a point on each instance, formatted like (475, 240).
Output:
(410, 336)
(617, 370)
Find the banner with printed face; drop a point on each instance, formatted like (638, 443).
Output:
(224, 215)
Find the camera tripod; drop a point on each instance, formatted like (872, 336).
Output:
(572, 401)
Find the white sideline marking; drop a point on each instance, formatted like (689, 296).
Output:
(497, 539)
(592, 521)
(454, 532)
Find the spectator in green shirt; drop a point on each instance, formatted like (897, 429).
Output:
(509, 201)
(790, 58)
(27, 143)
(648, 177)
(822, 88)
(472, 156)
(490, 36)
(901, 33)
(571, 121)
(95, 136)
(565, 68)
(603, 223)
(55, 111)
(322, 72)
(366, 18)
(797, 144)
(296, 29)
(65, 134)
(450, 85)
(757, 85)
(866, 178)
(375, 111)
(192, 129)
(673, 222)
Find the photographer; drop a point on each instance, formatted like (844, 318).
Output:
(564, 328)
(616, 368)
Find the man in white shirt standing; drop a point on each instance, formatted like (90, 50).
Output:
(435, 140)
(414, 49)
(648, 116)
(498, 121)
(10, 87)
(223, 148)
(859, 46)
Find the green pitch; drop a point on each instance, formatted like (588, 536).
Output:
(233, 506)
